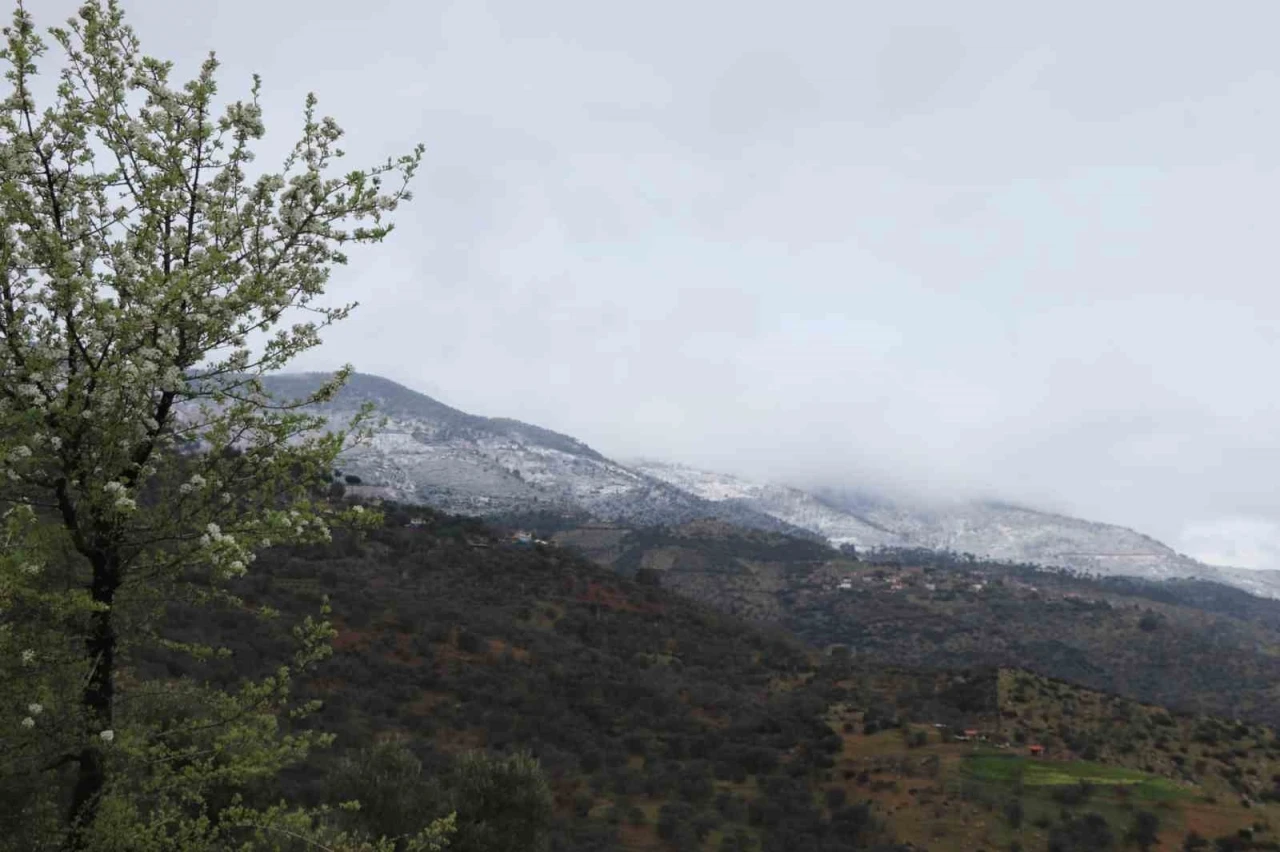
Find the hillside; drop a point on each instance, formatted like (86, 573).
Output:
(665, 725)
(661, 723)
(1031, 764)
(1190, 644)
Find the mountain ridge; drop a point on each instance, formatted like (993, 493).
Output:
(431, 453)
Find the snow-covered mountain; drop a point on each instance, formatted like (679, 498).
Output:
(987, 529)
(796, 507)
(427, 452)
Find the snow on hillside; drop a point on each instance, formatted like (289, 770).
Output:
(986, 529)
(427, 452)
(790, 505)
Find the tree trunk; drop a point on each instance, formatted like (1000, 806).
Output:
(98, 695)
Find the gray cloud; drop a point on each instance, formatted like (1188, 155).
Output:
(956, 248)
(915, 68)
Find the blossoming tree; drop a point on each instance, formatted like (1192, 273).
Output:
(148, 274)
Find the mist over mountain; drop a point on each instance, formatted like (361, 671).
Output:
(430, 453)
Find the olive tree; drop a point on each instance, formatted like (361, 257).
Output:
(150, 275)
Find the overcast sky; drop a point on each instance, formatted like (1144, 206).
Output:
(1017, 249)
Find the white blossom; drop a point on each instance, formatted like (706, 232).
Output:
(172, 379)
(357, 509)
(98, 333)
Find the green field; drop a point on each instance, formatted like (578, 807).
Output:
(1011, 769)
